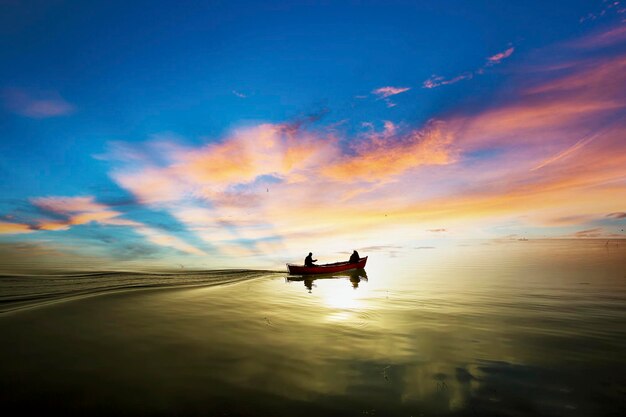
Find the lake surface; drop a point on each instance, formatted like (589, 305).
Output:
(509, 328)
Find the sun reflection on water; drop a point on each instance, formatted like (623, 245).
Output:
(339, 294)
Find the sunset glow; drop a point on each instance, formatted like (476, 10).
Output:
(246, 152)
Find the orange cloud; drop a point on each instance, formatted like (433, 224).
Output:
(84, 210)
(77, 210)
(14, 228)
(381, 156)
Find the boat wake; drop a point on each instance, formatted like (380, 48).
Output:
(26, 291)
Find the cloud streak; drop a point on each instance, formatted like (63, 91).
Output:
(384, 92)
(497, 58)
(82, 210)
(437, 80)
(617, 215)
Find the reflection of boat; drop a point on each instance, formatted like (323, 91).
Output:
(326, 268)
(355, 276)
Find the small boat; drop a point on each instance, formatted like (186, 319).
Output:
(326, 268)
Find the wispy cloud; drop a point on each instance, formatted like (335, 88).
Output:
(36, 106)
(567, 152)
(74, 211)
(601, 39)
(497, 58)
(62, 205)
(617, 215)
(590, 233)
(383, 93)
(239, 94)
(606, 8)
(437, 80)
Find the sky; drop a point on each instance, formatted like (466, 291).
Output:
(246, 134)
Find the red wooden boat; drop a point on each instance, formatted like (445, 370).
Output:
(326, 268)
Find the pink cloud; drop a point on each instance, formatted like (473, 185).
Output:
(601, 39)
(62, 205)
(437, 80)
(84, 210)
(37, 107)
(150, 185)
(617, 215)
(384, 92)
(608, 7)
(497, 58)
(554, 113)
(75, 210)
(590, 233)
(567, 152)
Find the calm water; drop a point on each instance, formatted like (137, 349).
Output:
(480, 329)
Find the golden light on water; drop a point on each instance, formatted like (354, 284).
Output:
(342, 296)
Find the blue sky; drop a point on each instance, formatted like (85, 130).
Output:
(83, 80)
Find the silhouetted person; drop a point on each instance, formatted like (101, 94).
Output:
(354, 258)
(308, 261)
(355, 279)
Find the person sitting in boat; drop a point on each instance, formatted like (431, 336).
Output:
(354, 258)
(308, 261)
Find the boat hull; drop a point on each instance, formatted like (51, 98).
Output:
(325, 269)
